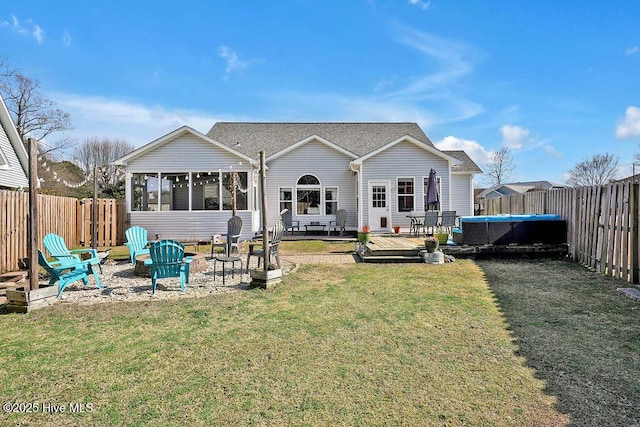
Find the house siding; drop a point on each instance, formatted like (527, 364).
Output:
(11, 175)
(184, 154)
(406, 160)
(189, 225)
(330, 166)
(461, 192)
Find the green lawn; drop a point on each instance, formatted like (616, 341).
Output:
(333, 345)
(578, 332)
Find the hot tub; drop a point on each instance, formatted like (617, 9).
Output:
(513, 229)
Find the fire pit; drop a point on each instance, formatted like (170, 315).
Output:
(198, 264)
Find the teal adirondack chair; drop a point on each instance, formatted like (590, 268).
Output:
(167, 260)
(57, 248)
(67, 271)
(137, 242)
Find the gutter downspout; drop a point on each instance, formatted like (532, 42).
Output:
(356, 167)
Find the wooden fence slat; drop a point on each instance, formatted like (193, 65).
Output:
(60, 215)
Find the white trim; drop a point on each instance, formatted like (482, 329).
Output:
(413, 179)
(317, 186)
(324, 197)
(387, 184)
(14, 139)
(292, 201)
(173, 135)
(4, 162)
(307, 140)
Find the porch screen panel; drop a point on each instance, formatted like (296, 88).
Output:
(234, 182)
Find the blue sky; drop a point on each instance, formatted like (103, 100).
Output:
(556, 82)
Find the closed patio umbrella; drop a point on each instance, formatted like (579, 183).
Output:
(432, 198)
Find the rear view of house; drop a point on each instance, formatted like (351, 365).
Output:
(182, 184)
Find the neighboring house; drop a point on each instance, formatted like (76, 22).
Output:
(509, 189)
(14, 161)
(180, 185)
(518, 188)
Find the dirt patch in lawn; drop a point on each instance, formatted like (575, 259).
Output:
(579, 334)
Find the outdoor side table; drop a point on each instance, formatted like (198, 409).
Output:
(314, 226)
(224, 260)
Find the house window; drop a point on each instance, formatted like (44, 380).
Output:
(285, 199)
(424, 194)
(330, 200)
(405, 194)
(378, 196)
(308, 195)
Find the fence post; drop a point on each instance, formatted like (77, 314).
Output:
(634, 240)
(33, 214)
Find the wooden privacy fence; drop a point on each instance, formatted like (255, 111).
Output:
(602, 223)
(66, 216)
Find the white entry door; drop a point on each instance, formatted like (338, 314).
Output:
(379, 206)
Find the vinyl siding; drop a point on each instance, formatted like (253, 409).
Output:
(11, 174)
(189, 225)
(186, 153)
(406, 160)
(332, 169)
(462, 191)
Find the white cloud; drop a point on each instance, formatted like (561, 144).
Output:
(632, 50)
(38, 33)
(514, 137)
(424, 5)
(30, 29)
(630, 125)
(231, 58)
(66, 39)
(552, 151)
(134, 122)
(477, 152)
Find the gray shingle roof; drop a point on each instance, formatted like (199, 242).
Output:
(358, 138)
(466, 165)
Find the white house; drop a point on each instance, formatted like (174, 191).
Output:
(14, 160)
(180, 185)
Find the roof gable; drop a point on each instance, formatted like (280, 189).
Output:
(306, 141)
(407, 138)
(172, 136)
(17, 157)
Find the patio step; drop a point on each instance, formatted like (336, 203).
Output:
(392, 259)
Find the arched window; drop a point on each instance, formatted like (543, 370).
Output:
(308, 193)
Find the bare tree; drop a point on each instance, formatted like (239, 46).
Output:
(598, 170)
(501, 167)
(33, 114)
(102, 153)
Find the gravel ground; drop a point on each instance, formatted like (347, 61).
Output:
(120, 284)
